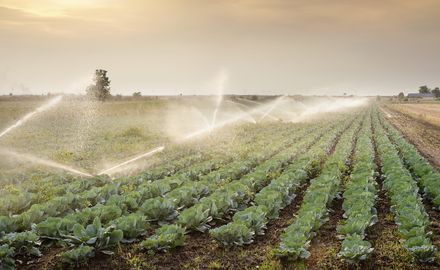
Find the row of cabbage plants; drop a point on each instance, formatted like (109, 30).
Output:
(101, 194)
(135, 224)
(117, 204)
(314, 211)
(229, 199)
(38, 188)
(21, 196)
(406, 203)
(427, 176)
(166, 209)
(112, 222)
(359, 199)
(120, 217)
(280, 192)
(14, 204)
(141, 199)
(219, 147)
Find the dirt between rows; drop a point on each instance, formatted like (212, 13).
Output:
(425, 136)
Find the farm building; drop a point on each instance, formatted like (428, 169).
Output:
(428, 96)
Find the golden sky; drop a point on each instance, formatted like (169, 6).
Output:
(264, 46)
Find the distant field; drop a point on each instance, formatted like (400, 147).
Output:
(420, 123)
(11, 111)
(429, 112)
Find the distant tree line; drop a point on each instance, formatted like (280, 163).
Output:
(426, 90)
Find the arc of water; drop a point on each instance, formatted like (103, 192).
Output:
(25, 118)
(149, 153)
(221, 124)
(271, 108)
(205, 120)
(41, 161)
(300, 103)
(222, 80)
(237, 105)
(217, 108)
(260, 104)
(328, 107)
(192, 135)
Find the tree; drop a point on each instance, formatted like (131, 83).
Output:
(101, 88)
(424, 90)
(401, 95)
(137, 94)
(436, 92)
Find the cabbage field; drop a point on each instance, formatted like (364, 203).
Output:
(344, 190)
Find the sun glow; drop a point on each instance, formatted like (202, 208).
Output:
(51, 8)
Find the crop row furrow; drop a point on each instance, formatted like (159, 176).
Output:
(191, 193)
(427, 177)
(280, 192)
(407, 207)
(359, 199)
(313, 211)
(230, 198)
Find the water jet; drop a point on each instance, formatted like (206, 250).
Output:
(25, 118)
(41, 161)
(149, 153)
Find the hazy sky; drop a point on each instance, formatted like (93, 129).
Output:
(200, 46)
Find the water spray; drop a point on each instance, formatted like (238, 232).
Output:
(326, 106)
(259, 104)
(250, 101)
(217, 108)
(271, 108)
(41, 161)
(42, 108)
(203, 117)
(221, 124)
(223, 77)
(237, 105)
(150, 153)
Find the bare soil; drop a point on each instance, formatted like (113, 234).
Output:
(426, 112)
(425, 136)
